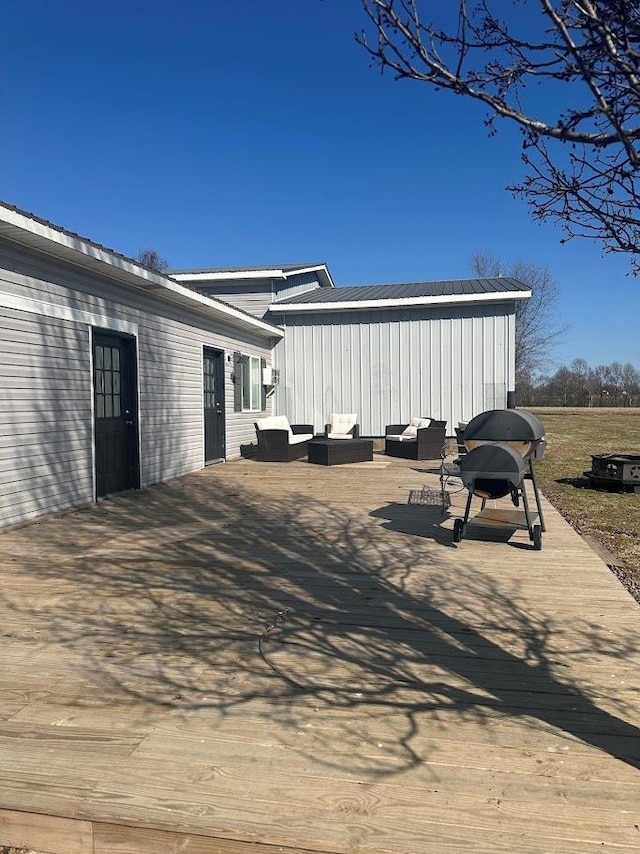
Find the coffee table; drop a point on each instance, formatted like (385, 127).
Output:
(334, 452)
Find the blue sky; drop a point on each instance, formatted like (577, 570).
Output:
(223, 133)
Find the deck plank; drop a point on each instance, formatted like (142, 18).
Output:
(291, 658)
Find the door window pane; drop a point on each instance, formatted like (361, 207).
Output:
(107, 382)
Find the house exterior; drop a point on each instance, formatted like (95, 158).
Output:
(113, 376)
(387, 352)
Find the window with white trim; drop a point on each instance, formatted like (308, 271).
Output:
(250, 382)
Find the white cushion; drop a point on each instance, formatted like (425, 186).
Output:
(296, 438)
(275, 422)
(343, 423)
(411, 431)
(399, 437)
(339, 436)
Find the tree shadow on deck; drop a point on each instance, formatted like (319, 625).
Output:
(211, 594)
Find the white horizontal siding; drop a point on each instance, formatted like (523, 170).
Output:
(45, 383)
(254, 296)
(388, 366)
(45, 413)
(295, 285)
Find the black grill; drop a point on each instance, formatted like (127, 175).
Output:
(501, 445)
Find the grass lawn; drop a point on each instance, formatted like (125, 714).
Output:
(611, 518)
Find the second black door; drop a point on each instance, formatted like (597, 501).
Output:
(213, 387)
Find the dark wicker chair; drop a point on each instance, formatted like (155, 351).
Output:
(274, 446)
(427, 445)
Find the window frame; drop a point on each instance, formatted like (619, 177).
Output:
(253, 376)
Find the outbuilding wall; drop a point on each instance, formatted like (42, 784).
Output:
(389, 365)
(47, 310)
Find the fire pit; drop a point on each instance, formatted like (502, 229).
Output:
(615, 471)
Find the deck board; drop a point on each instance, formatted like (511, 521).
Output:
(292, 658)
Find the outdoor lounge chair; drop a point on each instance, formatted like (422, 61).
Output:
(421, 439)
(281, 442)
(342, 426)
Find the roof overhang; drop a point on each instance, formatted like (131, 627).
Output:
(240, 275)
(23, 229)
(404, 302)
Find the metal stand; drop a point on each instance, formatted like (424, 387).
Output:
(532, 477)
(516, 519)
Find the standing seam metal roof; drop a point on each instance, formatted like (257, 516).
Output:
(453, 287)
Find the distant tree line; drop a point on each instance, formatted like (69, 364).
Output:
(580, 385)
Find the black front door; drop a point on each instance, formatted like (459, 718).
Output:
(213, 386)
(115, 412)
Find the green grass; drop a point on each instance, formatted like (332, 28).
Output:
(612, 518)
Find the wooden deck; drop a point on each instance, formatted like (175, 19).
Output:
(290, 658)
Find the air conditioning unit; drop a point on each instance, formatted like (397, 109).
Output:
(269, 376)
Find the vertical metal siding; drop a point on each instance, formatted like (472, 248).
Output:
(446, 363)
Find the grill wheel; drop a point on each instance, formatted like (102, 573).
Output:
(537, 537)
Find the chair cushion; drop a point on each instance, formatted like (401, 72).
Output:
(400, 437)
(339, 436)
(296, 438)
(343, 423)
(275, 422)
(411, 431)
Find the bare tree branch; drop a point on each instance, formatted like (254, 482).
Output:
(582, 163)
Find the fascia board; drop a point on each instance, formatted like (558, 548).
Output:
(229, 275)
(405, 302)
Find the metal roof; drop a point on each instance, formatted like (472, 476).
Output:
(415, 290)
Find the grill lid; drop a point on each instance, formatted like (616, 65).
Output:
(504, 425)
